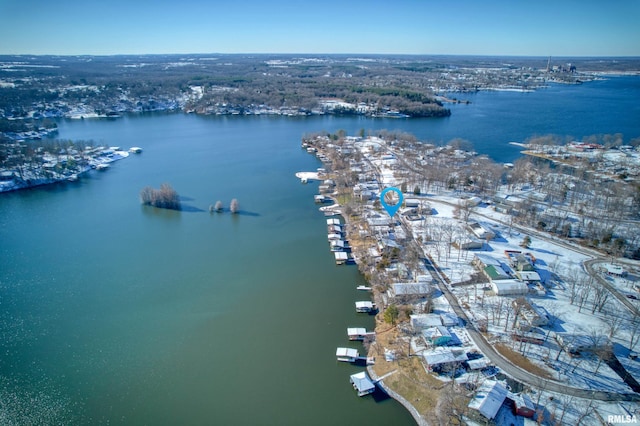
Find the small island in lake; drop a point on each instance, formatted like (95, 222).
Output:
(166, 197)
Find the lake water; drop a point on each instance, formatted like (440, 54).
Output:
(116, 313)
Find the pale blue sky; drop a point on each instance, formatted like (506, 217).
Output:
(496, 27)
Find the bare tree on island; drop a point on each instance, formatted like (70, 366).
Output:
(166, 197)
(234, 207)
(216, 208)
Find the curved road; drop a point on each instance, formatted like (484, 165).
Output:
(588, 265)
(507, 366)
(515, 371)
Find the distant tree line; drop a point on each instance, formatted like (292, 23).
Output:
(25, 125)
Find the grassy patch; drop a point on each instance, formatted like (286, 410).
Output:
(344, 198)
(410, 379)
(416, 386)
(521, 361)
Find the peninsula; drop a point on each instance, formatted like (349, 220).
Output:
(28, 164)
(491, 284)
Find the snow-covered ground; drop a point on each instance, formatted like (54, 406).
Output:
(556, 263)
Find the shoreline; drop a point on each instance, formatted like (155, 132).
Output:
(420, 421)
(354, 241)
(360, 229)
(96, 162)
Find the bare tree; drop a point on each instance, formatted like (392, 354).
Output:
(613, 324)
(586, 412)
(234, 206)
(566, 402)
(600, 295)
(583, 296)
(573, 280)
(601, 348)
(634, 331)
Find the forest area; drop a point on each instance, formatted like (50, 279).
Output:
(40, 87)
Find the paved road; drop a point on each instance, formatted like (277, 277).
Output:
(504, 364)
(514, 371)
(588, 265)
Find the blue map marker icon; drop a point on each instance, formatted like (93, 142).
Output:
(394, 208)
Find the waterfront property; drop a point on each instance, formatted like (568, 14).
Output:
(362, 383)
(443, 359)
(339, 245)
(333, 236)
(307, 176)
(341, 257)
(359, 333)
(365, 306)
(334, 229)
(436, 336)
(489, 399)
(333, 222)
(347, 354)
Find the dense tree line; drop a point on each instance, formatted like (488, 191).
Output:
(121, 83)
(148, 82)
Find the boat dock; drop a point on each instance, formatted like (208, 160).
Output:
(341, 257)
(340, 248)
(347, 354)
(307, 176)
(353, 356)
(362, 383)
(359, 333)
(365, 306)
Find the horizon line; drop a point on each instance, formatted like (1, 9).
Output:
(319, 54)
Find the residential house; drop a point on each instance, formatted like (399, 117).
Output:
(489, 398)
